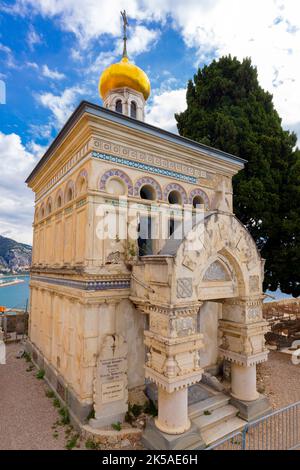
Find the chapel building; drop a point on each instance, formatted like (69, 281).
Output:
(141, 273)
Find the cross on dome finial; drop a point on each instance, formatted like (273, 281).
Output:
(125, 24)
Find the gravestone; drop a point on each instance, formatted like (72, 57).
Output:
(110, 385)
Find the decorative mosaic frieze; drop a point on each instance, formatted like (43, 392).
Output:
(144, 167)
(119, 174)
(85, 285)
(149, 158)
(175, 187)
(142, 181)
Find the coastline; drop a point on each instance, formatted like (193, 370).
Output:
(11, 283)
(24, 274)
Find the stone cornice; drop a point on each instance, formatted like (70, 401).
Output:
(244, 360)
(129, 125)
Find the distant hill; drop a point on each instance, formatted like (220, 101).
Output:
(14, 256)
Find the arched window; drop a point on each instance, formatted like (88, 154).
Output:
(133, 109)
(198, 202)
(69, 195)
(49, 208)
(59, 202)
(148, 192)
(174, 197)
(119, 106)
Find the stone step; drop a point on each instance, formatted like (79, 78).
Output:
(207, 421)
(222, 429)
(197, 409)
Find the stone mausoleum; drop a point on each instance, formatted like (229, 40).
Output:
(141, 273)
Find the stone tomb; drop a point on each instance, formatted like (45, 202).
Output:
(110, 385)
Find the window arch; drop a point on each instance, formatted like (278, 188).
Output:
(81, 182)
(119, 106)
(69, 193)
(49, 206)
(117, 174)
(133, 109)
(148, 192)
(196, 196)
(42, 211)
(146, 182)
(175, 194)
(59, 199)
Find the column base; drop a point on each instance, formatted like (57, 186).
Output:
(154, 439)
(175, 430)
(251, 410)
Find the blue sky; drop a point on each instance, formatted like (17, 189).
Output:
(52, 53)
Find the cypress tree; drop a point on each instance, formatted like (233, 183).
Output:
(228, 109)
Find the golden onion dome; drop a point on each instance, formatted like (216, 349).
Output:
(124, 74)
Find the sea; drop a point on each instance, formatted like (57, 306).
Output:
(15, 296)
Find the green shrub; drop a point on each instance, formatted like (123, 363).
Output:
(117, 426)
(49, 394)
(56, 403)
(64, 413)
(27, 357)
(41, 374)
(72, 442)
(92, 445)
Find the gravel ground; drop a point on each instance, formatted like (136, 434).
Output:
(279, 379)
(27, 416)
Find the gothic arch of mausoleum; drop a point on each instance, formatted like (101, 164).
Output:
(218, 260)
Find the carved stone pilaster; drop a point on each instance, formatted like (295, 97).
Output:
(247, 310)
(241, 332)
(173, 346)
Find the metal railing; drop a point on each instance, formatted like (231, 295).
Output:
(279, 430)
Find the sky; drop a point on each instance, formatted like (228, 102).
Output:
(52, 53)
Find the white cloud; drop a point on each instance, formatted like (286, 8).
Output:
(62, 105)
(16, 201)
(33, 38)
(53, 74)
(268, 31)
(32, 65)
(164, 105)
(9, 58)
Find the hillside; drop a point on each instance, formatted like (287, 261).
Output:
(14, 256)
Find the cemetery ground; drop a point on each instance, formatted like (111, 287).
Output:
(33, 418)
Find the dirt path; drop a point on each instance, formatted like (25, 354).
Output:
(26, 413)
(279, 379)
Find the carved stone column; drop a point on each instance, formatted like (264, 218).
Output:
(242, 331)
(173, 361)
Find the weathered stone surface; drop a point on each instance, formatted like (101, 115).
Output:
(251, 410)
(212, 381)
